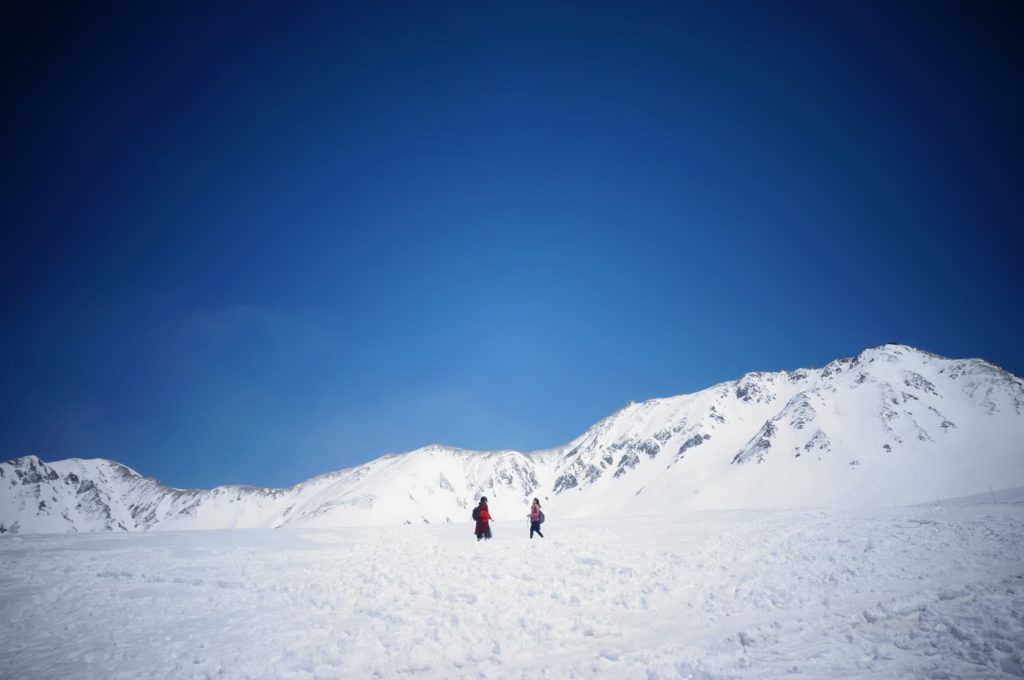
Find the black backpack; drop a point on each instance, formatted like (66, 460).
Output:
(541, 521)
(476, 514)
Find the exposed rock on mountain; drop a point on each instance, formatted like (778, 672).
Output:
(891, 425)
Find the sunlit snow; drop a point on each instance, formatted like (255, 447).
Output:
(926, 591)
(892, 426)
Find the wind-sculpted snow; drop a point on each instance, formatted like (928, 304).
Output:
(921, 592)
(891, 425)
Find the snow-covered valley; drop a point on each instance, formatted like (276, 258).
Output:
(912, 592)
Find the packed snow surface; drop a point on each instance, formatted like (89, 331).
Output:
(915, 592)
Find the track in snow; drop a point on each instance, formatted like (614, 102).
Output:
(906, 592)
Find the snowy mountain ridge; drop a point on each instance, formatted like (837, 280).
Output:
(893, 425)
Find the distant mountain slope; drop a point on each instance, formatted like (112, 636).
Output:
(892, 425)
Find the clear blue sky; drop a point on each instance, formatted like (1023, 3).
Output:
(250, 244)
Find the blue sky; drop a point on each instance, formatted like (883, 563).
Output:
(254, 246)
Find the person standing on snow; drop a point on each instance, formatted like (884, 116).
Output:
(483, 518)
(535, 518)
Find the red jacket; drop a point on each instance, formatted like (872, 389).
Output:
(484, 518)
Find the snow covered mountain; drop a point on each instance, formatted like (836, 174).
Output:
(894, 425)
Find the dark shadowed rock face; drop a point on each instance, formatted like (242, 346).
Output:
(628, 461)
(918, 382)
(695, 440)
(31, 470)
(758, 447)
(819, 442)
(799, 411)
(565, 482)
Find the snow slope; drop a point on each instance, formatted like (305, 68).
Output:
(915, 592)
(892, 426)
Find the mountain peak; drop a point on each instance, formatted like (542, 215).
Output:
(894, 424)
(889, 350)
(27, 460)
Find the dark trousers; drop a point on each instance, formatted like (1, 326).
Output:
(535, 526)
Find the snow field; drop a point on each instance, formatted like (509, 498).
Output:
(926, 592)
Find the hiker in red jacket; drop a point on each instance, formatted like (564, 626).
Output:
(483, 527)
